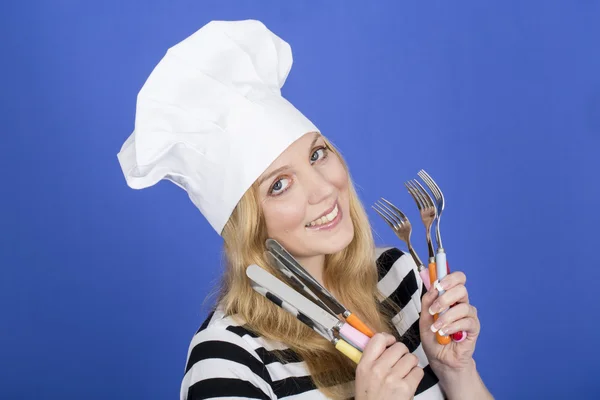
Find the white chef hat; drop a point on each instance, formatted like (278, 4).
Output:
(211, 118)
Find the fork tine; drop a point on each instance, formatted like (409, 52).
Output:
(378, 206)
(394, 217)
(431, 184)
(396, 209)
(414, 195)
(424, 197)
(417, 191)
(428, 182)
(424, 193)
(383, 217)
(385, 214)
(391, 220)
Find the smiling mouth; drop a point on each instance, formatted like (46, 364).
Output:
(325, 219)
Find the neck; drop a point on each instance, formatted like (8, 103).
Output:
(315, 266)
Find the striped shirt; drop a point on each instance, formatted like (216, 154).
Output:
(225, 360)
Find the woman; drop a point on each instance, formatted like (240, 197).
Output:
(211, 119)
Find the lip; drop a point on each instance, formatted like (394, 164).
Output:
(331, 224)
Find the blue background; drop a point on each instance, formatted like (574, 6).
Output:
(102, 287)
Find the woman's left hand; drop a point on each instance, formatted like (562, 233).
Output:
(461, 317)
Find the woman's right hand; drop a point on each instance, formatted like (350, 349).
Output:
(387, 370)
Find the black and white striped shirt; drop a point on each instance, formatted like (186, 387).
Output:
(227, 361)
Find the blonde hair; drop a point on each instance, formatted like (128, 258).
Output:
(351, 274)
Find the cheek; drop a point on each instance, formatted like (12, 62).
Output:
(284, 215)
(338, 175)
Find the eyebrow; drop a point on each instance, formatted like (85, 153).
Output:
(281, 169)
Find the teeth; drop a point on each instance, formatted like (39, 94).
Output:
(326, 218)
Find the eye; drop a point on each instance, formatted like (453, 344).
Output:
(318, 154)
(279, 186)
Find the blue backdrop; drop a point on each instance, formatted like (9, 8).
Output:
(102, 287)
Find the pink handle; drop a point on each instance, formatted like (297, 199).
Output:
(425, 277)
(354, 335)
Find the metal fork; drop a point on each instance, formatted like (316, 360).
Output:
(426, 209)
(428, 215)
(440, 258)
(401, 226)
(439, 198)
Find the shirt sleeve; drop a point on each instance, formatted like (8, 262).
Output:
(401, 283)
(221, 364)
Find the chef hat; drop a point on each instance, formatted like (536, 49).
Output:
(211, 118)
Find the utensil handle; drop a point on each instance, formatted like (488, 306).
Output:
(432, 273)
(441, 267)
(443, 340)
(349, 351)
(358, 324)
(354, 336)
(425, 278)
(458, 336)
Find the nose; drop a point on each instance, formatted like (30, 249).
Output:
(318, 187)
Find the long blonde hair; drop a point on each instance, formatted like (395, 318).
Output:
(351, 274)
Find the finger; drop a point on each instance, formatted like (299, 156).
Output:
(390, 339)
(426, 302)
(462, 310)
(453, 279)
(457, 294)
(470, 325)
(405, 365)
(375, 348)
(413, 378)
(391, 357)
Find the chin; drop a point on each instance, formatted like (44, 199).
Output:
(335, 242)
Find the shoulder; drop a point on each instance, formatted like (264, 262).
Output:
(223, 361)
(398, 275)
(385, 259)
(400, 282)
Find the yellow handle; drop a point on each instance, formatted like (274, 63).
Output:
(349, 351)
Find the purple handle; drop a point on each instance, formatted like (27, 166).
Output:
(354, 335)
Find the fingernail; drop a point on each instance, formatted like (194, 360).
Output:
(436, 326)
(442, 333)
(434, 309)
(438, 286)
(443, 283)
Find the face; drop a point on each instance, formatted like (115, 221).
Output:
(305, 199)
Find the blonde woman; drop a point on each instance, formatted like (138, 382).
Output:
(211, 119)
